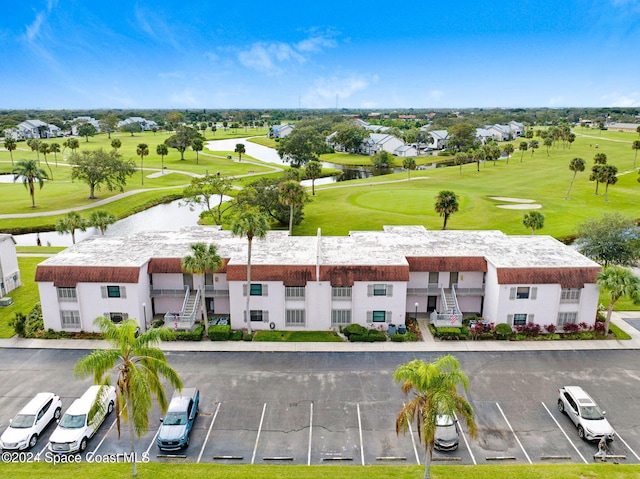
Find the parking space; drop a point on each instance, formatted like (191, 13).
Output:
(336, 434)
(284, 437)
(233, 436)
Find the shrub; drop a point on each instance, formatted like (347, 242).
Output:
(219, 332)
(34, 326)
(530, 329)
(448, 333)
(18, 324)
(397, 338)
(550, 328)
(195, 335)
(354, 329)
(247, 336)
(376, 336)
(571, 328)
(409, 336)
(412, 325)
(236, 336)
(503, 331)
(158, 323)
(464, 332)
(358, 338)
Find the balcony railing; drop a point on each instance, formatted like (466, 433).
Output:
(211, 292)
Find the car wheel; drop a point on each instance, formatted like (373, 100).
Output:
(83, 444)
(560, 406)
(33, 441)
(580, 432)
(56, 414)
(110, 408)
(186, 444)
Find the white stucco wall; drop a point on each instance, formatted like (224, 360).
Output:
(9, 271)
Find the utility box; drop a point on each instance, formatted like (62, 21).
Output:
(6, 301)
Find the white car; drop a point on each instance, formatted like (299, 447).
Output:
(27, 426)
(74, 429)
(585, 413)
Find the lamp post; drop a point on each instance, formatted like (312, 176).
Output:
(416, 305)
(144, 315)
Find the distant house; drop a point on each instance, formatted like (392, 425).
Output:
(281, 131)
(36, 129)
(440, 138)
(377, 142)
(9, 271)
(629, 127)
(145, 125)
(500, 132)
(517, 129)
(482, 135)
(80, 120)
(405, 151)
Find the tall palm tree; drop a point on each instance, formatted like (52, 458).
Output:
(162, 150)
(45, 149)
(203, 259)
(101, 219)
(408, 164)
(434, 392)
(138, 365)
(115, 144)
(240, 150)
(576, 165)
(609, 177)
(508, 149)
(197, 145)
(70, 223)
(479, 155)
(10, 144)
(533, 146)
(533, 220)
(55, 149)
(313, 170)
(523, 147)
(142, 150)
(446, 205)
(30, 173)
(73, 144)
(291, 194)
(460, 159)
(252, 224)
(618, 282)
(635, 146)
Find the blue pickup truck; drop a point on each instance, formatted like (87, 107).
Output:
(178, 422)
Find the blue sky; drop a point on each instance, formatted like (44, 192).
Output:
(290, 54)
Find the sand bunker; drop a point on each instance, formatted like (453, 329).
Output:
(530, 206)
(511, 200)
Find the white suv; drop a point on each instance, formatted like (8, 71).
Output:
(585, 413)
(27, 426)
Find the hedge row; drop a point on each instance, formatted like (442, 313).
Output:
(452, 333)
(220, 332)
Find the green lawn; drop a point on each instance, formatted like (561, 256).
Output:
(25, 297)
(298, 336)
(156, 470)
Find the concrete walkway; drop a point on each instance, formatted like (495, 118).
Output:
(428, 344)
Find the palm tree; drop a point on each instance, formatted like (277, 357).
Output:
(533, 146)
(139, 365)
(10, 144)
(599, 160)
(434, 392)
(55, 149)
(45, 149)
(313, 170)
(533, 220)
(162, 150)
(409, 164)
(252, 224)
(197, 145)
(142, 151)
(548, 141)
(460, 159)
(618, 282)
(576, 165)
(30, 173)
(240, 150)
(523, 147)
(479, 155)
(70, 223)
(446, 205)
(202, 260)
(73, 144)
(635, 146)
(291, 194)
(609, 177)
(101, 219)
(508, 149)
(115, 144)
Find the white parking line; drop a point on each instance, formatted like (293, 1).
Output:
(565, 434)
(255, 448)
(108, 431)
(514, 434)
(208, 433)
(360, 428)
(153, 441)
(473, 458)
(413, 441)
(310, 434)
(628, 447)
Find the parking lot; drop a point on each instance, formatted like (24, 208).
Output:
(327, 408)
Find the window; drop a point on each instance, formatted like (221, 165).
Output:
(566, 318)
(257, 315)
(433, 278)
(294, 317)
(341, 292)
(113, 291)
(256, 289)
(379, 316)
(570, 295)
(522, 292)
(70, 319)
(519, 319)
(67, 294)
(117, 317)
(340, 317)
(294, 292)
(379, 290)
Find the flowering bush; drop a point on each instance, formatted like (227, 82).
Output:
(550, 328)
(529, 329)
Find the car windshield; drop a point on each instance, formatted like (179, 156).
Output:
(22, 421)
(72, 422)
(591, 412)
(175, 419)
(444, 420)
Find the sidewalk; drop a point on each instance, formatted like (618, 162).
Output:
(428, 344)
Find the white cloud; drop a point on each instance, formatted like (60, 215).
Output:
(324, 90)
(185, 98)
(33, 30)
(211, 56)
(615, 99)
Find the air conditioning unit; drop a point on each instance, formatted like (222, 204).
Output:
(6, 301)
